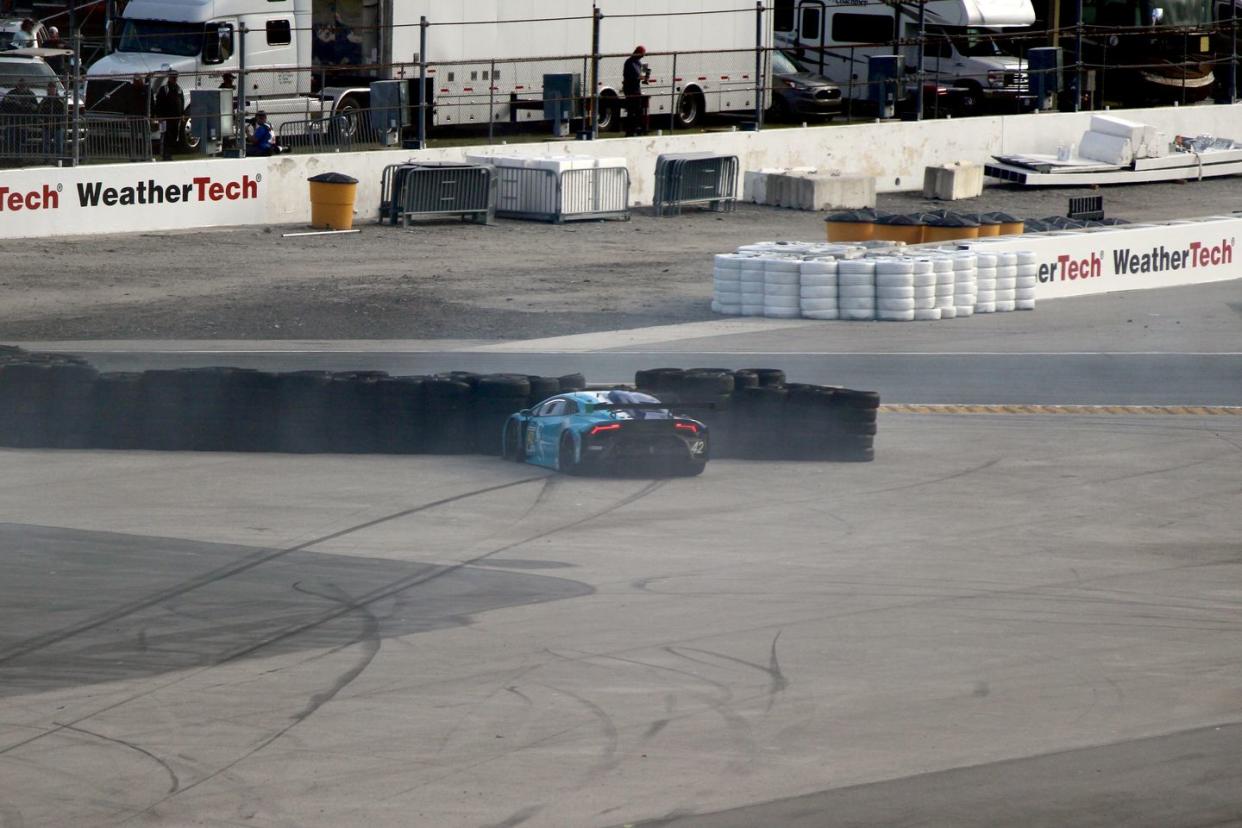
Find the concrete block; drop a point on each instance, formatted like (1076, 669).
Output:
(755, 185)
(950, 182)
(820, 191)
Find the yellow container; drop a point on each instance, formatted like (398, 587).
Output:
(332, 198)
(908, 233)
(1011, 228)
(850, 231)
(986, 229)
(933, 233)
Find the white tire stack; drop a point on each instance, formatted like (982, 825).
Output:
(965, 284)
(985, 278)
(856, 289)
(924, 278)
(1028, 279)
(946, 284)
(1006, 281)
(782, 292)
(752, 287)
(894, 289)
(819, 289)
(727, 284)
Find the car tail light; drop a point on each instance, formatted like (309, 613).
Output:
(602, 428)
(691, 427)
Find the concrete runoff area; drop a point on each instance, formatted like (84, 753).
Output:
(1005, 619)
(213, 639)
(516, 280)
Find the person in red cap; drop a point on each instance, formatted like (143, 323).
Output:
(632, 77)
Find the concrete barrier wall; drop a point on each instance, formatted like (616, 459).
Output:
(1129, 257)
(47, 201)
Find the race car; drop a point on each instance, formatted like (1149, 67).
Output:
(593, 431)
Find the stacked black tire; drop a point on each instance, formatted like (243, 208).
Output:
(52, 401)
(755, 414)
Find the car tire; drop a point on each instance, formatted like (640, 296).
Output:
(565, 462)
(513, 448)
(693, 468)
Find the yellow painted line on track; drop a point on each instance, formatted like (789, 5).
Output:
(1161, 410)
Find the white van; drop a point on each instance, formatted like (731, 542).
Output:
(962, 49)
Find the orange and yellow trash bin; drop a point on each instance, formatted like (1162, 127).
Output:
(332, 197)
(1009, 225)
(899, 228)
(950, 227)
(851, 225)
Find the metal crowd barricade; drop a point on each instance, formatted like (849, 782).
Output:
(116, 138)
(695, 179)
(563, 195)
(425, 189)
(332, 134)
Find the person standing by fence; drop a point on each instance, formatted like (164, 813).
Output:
(632, 75)
(17, 111)
(170, 110)
(52, 112)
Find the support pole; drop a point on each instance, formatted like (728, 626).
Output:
(597, 18)
(1233, 53)
(918, 72)
(1078, 67)
(77, 96)
(760, 86)
(422, 82)
(239, 120)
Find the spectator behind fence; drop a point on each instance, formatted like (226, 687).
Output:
(226, 81)
(52, 113)
(139, 103)
(24, 37)
(261, 141)
(53, 39)
(170, 110)
(17, 109)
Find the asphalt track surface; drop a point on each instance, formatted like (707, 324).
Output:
(1006, 619)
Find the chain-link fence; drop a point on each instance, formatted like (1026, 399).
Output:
(321, 98)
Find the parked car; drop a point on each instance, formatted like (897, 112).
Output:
(796, 93)
(31, 65)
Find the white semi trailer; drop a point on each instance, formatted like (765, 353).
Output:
(486, 58)
(963, 48)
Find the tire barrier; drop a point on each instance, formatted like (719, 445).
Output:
(53, 401)
(870, 281)
(754, 414)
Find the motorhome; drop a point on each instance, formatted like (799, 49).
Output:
(486, 59)
(964, 44)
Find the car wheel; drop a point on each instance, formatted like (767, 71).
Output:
(512, 447)
(693, 468)
(565, 461)
(780, 111)
(970, 102)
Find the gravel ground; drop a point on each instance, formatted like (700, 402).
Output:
(515, 280)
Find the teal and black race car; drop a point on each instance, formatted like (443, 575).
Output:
(596, 431)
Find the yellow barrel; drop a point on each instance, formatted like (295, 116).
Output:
(332, 197)
(950, 227)
(907, 229)
(1010, 225)
(988, 228)
(850, 231)
(851, 225)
